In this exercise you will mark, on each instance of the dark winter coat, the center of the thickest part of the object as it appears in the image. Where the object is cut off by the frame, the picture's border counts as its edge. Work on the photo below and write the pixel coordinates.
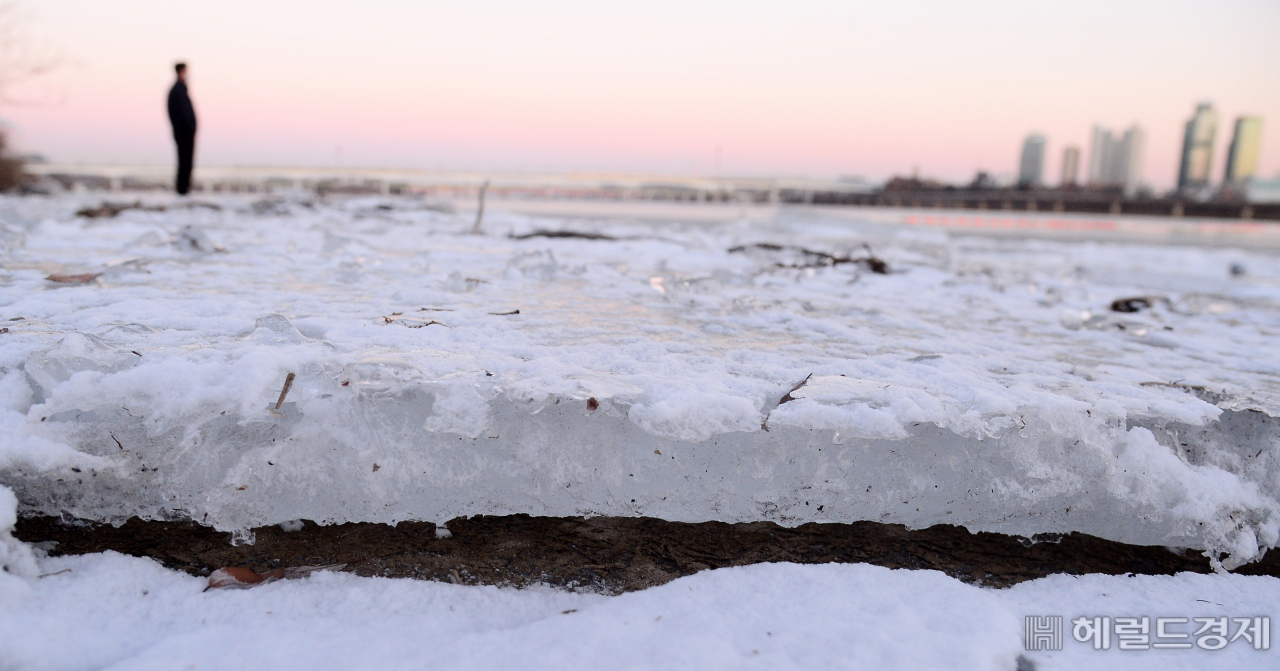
(181, 114)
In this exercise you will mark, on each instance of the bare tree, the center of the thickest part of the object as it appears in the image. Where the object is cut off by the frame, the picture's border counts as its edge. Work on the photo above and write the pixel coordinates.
(22, 59)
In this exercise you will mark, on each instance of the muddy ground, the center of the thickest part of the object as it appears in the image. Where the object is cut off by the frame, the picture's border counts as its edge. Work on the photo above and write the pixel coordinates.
(611, 554)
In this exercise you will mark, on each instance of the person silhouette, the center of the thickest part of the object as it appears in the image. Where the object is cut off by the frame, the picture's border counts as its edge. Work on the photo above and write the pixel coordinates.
(183, 118)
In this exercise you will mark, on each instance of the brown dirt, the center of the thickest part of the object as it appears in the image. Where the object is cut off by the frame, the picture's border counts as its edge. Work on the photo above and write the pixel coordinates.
(612, 554)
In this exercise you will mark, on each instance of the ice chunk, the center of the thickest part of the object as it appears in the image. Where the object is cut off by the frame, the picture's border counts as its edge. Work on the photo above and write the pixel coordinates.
(75, 353)
(537, 264)
(695, 416)
(946, 392)
(457, 283)
(459, 407)
(864, 408)
(193, 239)
(275, 329)
(21, 445)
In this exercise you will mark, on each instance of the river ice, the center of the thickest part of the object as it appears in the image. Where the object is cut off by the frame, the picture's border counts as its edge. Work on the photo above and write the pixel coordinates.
(983, 382)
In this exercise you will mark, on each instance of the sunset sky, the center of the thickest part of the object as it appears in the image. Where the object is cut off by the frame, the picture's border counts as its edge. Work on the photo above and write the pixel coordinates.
(740, 87)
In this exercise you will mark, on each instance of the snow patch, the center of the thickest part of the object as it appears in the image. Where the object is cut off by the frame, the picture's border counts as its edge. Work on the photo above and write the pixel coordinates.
(108, 610)
(17, 561)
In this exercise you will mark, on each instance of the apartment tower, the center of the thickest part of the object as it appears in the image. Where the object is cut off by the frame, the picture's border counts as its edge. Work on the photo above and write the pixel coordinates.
(1070, 166)
(1242, 157)
(1197, 149)
(1031, 165)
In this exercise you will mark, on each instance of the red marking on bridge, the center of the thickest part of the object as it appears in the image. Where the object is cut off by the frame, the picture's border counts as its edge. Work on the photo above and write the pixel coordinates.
(1032, 223)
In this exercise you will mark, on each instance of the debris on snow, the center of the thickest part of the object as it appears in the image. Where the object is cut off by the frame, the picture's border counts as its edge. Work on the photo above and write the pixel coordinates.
(1136, 303)
(83, 278)
(109, 210)
(807, 258)
(235, 577)
(541, 233)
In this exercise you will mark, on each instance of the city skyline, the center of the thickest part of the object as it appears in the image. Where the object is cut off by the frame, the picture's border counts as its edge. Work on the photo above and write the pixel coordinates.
(822, 89)
(1118, 161)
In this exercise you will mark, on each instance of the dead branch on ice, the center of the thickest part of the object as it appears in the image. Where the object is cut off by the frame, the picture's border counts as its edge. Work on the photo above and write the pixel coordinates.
(288, 382)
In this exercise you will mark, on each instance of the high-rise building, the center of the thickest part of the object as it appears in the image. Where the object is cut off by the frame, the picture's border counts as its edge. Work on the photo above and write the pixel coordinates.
(1070, 166)
(1031, 167)
(1101, 156)
(1116, 162)
(1197, 149)
(1128, 160)
(1242, 157)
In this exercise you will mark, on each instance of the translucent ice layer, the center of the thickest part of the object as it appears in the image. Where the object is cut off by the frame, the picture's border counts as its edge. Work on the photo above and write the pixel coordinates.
(685, 371)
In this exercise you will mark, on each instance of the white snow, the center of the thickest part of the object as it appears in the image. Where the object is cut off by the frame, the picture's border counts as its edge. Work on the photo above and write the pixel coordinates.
(17, 561)
(984, 382)
(112, 611)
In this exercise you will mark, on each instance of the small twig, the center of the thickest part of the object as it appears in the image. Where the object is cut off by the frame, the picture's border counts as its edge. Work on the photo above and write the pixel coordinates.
(504, 314)
(542, 233)
(787, 398)
(46, 575)
(475, 230)
(813, 259)
(73, 279)
(288, 382)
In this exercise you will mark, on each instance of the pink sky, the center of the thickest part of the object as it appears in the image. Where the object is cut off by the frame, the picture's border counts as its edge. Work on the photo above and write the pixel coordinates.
(783, 88)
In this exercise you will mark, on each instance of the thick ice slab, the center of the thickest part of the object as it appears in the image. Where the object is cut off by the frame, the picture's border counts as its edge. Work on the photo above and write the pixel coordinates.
(648, 371)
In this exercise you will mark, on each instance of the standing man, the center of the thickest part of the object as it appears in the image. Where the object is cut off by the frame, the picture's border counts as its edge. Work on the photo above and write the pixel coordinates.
(183, 117)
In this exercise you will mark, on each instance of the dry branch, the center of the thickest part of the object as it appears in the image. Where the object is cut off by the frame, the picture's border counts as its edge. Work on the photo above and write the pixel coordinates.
(812, 259)
(288, 384)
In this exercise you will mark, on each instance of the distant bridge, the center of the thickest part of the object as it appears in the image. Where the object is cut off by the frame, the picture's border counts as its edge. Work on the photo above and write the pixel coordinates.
(450, 183)
(596, 186)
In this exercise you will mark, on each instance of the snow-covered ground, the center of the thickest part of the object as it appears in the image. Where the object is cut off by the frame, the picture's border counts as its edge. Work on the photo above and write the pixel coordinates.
(117, 612)
(981, 382)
